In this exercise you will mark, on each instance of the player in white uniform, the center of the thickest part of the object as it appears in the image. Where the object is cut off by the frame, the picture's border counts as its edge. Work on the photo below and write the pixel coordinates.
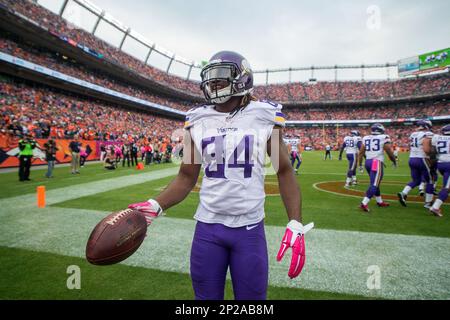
(374, 146)
(419, 163)
(351, 145)
(440, 145)
(229, 138)
(293, 146)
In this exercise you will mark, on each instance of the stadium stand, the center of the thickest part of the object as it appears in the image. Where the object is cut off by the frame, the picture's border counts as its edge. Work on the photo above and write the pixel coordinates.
(45, 110)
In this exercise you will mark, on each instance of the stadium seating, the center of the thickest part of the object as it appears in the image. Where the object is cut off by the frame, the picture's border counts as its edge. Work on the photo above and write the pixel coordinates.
(285, 93)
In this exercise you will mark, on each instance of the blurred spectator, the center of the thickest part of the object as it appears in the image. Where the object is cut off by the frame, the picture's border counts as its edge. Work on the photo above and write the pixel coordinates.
(50, 149)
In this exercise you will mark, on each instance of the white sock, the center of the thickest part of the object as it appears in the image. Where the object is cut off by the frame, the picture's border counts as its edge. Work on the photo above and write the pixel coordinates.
(365, 201)
(428, 197)
(348, 180)
(406, 190)
(354, 178)
(422, 186)
(379, 200)
(437, 204)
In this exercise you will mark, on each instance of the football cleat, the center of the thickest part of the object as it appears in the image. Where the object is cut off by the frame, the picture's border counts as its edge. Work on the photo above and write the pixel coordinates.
(364, 207)
(354, 183)
(421, 193)
(428, 205)
(383, 204)
(402, 198)
(436, 212)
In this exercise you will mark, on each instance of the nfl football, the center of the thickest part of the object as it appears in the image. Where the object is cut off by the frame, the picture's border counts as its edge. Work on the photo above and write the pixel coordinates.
(116, 237)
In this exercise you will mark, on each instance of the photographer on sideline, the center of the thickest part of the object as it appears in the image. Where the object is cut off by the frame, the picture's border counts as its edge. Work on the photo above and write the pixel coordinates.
(26, 146)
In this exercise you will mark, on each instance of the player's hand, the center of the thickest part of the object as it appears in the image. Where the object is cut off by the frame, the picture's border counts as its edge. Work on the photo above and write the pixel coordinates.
(361, 169)
(150, 209)
(294, 238)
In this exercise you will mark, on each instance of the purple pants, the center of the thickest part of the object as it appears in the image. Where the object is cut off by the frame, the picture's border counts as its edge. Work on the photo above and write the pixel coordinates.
(351, 165)
(375, 178)
(421, 172)
(216, 247)
(444, 169)
(294, 156)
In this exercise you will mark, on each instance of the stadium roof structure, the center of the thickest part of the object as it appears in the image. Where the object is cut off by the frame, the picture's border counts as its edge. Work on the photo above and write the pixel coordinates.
(161, 58)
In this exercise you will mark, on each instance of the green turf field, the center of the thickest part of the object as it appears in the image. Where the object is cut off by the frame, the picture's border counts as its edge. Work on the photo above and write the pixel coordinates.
(410, 247)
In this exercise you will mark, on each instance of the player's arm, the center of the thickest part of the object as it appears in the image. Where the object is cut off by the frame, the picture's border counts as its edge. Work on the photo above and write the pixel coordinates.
(179, 188)
(290, 193)
(390, 153)
(342, 150)
(362, 152)
(289, 188)
(427, 147)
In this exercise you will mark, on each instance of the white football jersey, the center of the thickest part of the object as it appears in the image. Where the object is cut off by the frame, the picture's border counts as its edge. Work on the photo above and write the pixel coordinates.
(442, 145)
(233, 151)
(294, 144)
(351, 144)
(374, 145)
(416, 144)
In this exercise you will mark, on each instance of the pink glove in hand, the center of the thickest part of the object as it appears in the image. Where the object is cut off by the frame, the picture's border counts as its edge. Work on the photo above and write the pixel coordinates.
(150, 209)
(294, 238)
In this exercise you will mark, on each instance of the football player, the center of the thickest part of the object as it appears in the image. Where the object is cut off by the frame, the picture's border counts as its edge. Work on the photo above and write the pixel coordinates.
(295, 152)
(229, 137)
(419, 164)
(327, 152)
(352, 144)
(373, 147)
(440, 145)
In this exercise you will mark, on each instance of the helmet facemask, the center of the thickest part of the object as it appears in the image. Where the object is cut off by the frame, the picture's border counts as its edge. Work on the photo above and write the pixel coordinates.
(220, 82)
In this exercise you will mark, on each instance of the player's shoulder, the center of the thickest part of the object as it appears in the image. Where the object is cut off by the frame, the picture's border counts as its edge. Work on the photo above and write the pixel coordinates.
(267, 111)
(197, 113)
(265, 104)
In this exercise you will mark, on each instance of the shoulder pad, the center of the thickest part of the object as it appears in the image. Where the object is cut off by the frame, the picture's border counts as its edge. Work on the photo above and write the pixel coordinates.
(193, 115)
(271, 112)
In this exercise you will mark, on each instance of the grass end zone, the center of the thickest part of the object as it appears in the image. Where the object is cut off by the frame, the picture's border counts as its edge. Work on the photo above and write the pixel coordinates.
(40, 275)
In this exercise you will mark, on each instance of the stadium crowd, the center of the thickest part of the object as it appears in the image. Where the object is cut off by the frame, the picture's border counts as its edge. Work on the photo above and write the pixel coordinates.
(46, 112)
(16, 47)
(290, 92)
(59, 27)
(318, 137)
(354, 90)
(395, 111)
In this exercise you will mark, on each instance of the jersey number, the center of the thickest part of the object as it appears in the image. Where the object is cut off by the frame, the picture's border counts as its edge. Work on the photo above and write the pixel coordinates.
(245, 145)
(442, 147)
(414, 143)
(372, 147)
(349, 143)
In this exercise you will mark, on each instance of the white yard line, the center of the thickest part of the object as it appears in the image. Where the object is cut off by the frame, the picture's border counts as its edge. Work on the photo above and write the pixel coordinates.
(361, 196)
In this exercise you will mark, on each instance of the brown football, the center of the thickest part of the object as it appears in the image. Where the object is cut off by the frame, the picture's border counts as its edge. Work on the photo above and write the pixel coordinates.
(116, 237)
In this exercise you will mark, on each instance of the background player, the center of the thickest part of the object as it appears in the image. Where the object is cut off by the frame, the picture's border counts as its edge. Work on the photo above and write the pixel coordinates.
(327, 152)
(374, 146)
(351, 145)
(230, 217)
(440, 145)
(294, 149)
(419, 164)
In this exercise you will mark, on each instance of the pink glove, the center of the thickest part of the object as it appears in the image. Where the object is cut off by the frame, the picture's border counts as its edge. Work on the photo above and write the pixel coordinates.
(294, 238)
(150, 209)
